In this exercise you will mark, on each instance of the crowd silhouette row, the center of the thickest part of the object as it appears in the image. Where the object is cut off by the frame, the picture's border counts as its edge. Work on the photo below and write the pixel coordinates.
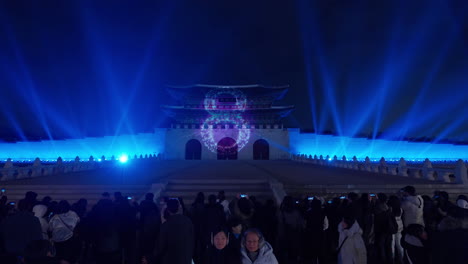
(367, 228)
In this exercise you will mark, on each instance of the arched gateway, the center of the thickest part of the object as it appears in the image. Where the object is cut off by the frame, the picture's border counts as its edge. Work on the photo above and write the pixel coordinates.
(193, 150)
(239, 113)
(227, 149)
(261, 150)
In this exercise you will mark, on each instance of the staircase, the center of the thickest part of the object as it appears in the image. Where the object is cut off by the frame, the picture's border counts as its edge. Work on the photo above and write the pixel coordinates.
(187, 189)
(331, 191)
(73, 193)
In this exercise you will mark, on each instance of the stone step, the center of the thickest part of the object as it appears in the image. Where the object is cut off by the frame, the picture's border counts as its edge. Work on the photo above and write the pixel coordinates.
(73, 193)
(188, 188)
(217, 181)
(70, 187)
(216, 187)
(337, 190)
(375, 187)
(193, 193)
(189, 198)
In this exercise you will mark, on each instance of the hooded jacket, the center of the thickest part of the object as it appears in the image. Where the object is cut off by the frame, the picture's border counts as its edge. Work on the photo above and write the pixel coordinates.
(265, 253)
(413, 210)
(62, 226)
(39, 212)
(353, 250)
(176, 241)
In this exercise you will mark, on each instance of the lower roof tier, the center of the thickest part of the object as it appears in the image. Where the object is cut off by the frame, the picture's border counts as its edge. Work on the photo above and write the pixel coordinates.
(221, 116)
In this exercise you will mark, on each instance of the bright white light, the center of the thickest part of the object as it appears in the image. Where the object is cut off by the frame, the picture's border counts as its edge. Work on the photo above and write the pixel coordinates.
(123, 158)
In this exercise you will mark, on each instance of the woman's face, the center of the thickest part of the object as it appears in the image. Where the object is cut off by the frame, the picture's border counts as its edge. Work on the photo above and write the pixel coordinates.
(251, 242)
(220, 240)
(344, 224)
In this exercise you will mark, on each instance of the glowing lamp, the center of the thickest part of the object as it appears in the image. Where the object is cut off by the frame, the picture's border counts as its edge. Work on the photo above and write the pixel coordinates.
(123, 158)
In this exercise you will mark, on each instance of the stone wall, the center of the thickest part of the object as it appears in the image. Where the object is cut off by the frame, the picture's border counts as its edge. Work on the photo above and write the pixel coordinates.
(277, 138)
(138, 144)
(314, 144)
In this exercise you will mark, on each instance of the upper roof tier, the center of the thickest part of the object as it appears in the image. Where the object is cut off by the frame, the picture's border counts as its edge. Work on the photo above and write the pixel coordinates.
(191, 93)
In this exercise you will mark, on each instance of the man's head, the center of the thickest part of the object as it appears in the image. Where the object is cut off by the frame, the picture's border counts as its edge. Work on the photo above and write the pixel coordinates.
(173, 206)
(24, 206)
(382, 197)
(408, 191)
(253, 240)
(63, 207)
(221, 195)
(31, 196)
(353, 196)
(235, 225)
(212, 199)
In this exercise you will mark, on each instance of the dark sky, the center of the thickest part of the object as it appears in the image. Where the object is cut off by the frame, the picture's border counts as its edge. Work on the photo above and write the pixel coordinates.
(388, 68)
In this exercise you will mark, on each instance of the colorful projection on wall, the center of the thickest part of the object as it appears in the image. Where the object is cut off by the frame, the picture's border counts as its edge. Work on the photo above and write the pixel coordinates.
(225, 106)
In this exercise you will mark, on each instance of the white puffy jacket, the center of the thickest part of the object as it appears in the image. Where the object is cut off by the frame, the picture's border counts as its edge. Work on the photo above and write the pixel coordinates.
(413, 210)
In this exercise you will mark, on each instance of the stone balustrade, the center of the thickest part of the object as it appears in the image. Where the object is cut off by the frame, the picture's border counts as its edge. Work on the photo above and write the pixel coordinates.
(11, 171)
(455, 174)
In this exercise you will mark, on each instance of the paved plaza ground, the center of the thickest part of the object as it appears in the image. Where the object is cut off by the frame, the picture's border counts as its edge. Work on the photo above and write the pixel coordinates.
(287, 172)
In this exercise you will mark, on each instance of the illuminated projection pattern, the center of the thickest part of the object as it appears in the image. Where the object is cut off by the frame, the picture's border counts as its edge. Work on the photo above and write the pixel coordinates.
(225, 107)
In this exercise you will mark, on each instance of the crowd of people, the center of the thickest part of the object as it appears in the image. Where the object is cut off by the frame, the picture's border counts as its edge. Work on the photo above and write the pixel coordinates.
(355, 229)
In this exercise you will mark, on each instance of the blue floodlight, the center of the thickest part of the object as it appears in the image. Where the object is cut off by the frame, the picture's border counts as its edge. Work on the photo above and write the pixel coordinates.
(123, 158)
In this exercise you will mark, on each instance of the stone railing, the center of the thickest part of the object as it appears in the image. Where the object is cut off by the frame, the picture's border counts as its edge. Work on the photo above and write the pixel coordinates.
(456, 174)
(11, 171)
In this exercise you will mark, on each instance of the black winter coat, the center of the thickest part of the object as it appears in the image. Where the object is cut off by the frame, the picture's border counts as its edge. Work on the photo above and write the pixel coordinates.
(176, 241)
(225, 256)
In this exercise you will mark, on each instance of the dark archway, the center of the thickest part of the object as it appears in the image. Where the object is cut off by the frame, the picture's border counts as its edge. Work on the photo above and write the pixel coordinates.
(261, 150)
(227, 149)
(193, 150)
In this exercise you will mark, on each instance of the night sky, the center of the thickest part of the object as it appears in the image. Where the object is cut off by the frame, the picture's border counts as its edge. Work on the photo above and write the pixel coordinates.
(387, 68)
